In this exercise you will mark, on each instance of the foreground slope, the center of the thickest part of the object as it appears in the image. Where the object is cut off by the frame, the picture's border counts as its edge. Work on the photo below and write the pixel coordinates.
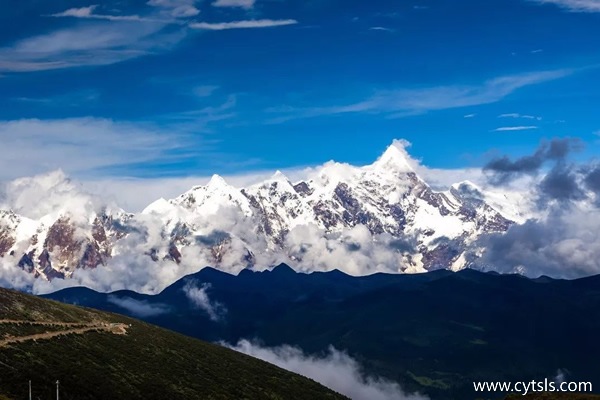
(434, 333)
(97, 355)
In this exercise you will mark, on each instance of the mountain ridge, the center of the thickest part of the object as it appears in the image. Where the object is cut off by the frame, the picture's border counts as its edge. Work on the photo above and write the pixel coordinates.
(433, 333)
(377, 218)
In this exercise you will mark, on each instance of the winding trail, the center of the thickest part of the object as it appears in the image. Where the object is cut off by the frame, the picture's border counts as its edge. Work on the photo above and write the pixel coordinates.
(79, 328)
(43, 323)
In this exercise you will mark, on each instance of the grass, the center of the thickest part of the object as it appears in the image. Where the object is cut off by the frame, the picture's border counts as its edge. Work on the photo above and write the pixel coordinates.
(146, 363)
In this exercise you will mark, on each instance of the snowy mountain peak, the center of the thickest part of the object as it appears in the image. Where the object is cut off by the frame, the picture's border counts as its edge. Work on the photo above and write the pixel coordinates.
(217, 181)
(279, 180)
(279, 176)
(379, 217)
(160, 206)
(395, 158)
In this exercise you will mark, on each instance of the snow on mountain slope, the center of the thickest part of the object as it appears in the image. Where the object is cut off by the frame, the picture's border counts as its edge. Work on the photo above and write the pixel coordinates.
(69, 229)
(380, 217)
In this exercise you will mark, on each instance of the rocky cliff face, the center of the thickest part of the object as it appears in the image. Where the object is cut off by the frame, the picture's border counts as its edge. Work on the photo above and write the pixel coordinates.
(386, 204)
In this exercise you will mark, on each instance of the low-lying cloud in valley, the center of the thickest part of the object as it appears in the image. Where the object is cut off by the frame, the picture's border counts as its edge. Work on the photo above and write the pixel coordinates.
(336, 370)
(197, 294)
(139, 308)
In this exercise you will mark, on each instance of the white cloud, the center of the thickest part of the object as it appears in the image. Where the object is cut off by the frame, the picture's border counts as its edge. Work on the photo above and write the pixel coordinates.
(337, 371)
(176, 8)
(78, 12)
(99, 43)
(116, 38)
(59, 193)
(198, 296)
(139, 308)
(14, 277)
(69, 99)
(134, 194)
(565, 244)
(88, 13)
(522, 116)
(353, 250)
(515, 128)
(248, 24)
(83, 145)
(247, 4)
(402, 102)
(574, 5)
(99, 147)
(381, 28)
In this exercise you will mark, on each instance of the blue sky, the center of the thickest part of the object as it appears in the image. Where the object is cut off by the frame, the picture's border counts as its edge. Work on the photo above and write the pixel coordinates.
(168, 88)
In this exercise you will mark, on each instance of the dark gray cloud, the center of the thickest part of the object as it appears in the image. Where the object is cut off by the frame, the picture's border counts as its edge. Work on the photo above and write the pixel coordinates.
(559, 149)
(561, 184)
(592, 179)
(353, 246)
(214, 238)
(565, 242)
(503, 169)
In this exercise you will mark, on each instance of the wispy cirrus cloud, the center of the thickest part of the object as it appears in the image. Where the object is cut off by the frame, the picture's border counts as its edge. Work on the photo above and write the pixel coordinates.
(247, 4)
(71, 99)
(403, 102)
(108, 39)
(88, 13)
(515, 128)
(574, 5)
(207, 114)
(93, 145)
(92, 44)
(176, 8)
(517, 115)
(246, 24)
(381, 29)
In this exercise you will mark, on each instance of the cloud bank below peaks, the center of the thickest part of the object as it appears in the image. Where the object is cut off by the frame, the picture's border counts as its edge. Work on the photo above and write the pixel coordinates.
(336, 370)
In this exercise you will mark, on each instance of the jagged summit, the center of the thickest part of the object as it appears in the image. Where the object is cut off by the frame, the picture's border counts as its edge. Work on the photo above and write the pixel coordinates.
(217, 181)
(337, 218)
(395, 158)
(279, 176)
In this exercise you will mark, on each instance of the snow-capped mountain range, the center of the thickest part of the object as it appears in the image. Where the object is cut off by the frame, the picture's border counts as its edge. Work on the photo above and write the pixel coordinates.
(379, 217)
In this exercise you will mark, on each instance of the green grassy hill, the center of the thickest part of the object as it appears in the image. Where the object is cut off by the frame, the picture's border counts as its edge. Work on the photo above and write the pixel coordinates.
(97, 355)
